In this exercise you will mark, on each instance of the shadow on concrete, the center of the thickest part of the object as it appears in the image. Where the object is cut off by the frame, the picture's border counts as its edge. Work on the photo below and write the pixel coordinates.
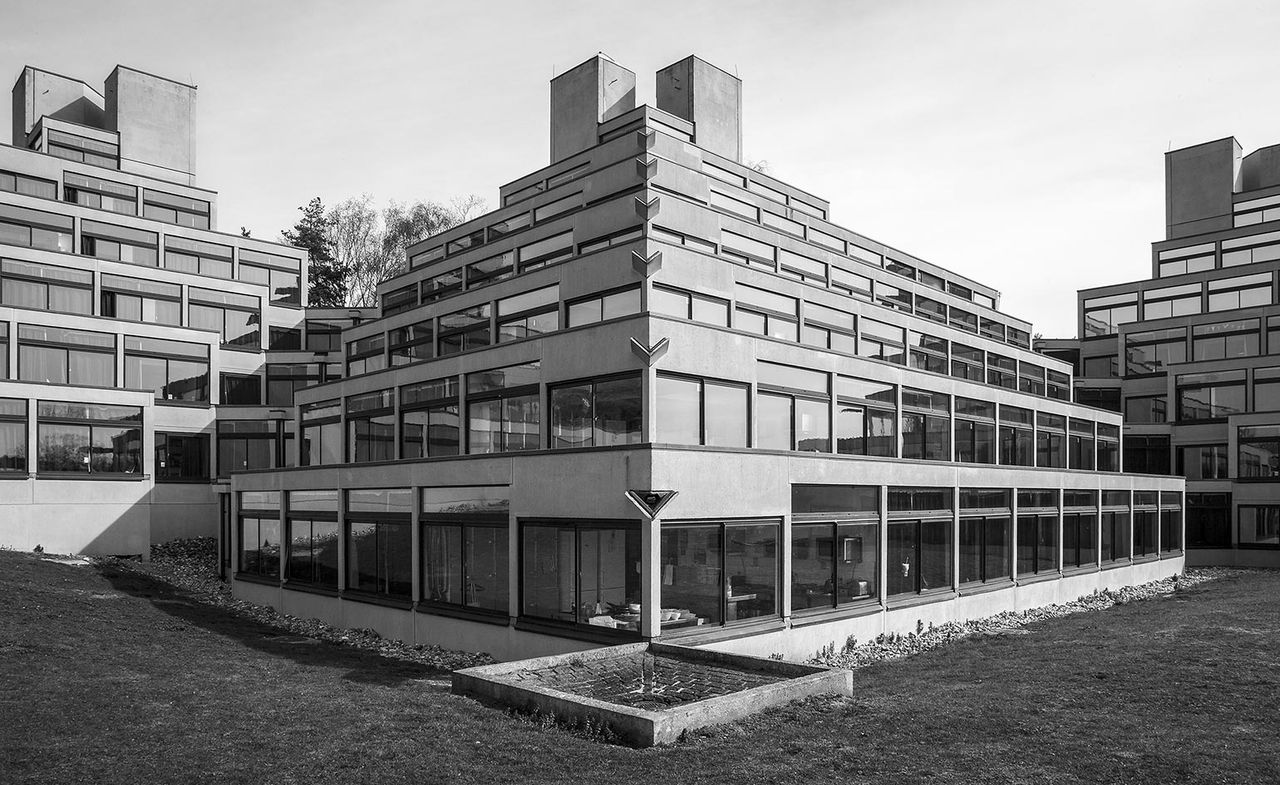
(362, 666)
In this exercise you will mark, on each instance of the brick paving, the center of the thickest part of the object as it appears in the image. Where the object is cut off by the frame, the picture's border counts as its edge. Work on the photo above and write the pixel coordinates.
(645, 681)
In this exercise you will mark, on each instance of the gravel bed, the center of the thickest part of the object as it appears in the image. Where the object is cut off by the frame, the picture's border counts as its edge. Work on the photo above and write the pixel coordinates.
(191, 566)
(896, 646)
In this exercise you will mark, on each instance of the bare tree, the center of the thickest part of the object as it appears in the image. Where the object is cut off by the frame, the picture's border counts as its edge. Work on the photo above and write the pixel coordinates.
(371, 244)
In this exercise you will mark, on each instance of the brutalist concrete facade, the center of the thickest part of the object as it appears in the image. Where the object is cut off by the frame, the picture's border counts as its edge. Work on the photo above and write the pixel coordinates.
(658, 395)
(1191, 354)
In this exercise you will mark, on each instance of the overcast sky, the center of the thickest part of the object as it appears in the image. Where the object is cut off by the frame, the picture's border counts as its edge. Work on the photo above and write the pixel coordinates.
(1019, 143)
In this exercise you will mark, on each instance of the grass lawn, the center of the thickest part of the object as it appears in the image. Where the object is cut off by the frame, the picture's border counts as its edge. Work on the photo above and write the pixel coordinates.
(108, 676)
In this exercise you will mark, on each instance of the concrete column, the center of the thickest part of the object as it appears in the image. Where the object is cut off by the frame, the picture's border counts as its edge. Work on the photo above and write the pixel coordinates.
(955, 537)
(1133, 522)
(1013, 533)
(650, 577)
(1060, 562)
(882, 574)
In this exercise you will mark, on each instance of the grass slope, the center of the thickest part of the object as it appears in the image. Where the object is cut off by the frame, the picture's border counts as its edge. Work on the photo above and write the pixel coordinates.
(109, 676)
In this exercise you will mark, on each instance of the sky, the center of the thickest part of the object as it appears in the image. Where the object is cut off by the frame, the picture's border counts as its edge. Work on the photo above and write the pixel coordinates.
(1017, 143)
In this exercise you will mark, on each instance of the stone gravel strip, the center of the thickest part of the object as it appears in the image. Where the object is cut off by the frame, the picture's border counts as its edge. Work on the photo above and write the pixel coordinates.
(895, 646)
(191, 565)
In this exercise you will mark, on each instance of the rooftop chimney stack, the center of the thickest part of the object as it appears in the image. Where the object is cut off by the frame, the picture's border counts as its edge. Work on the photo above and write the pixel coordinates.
(708, 97)
(582, 98)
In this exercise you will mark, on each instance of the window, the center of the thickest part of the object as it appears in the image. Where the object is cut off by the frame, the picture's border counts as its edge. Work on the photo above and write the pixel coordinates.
(1017, 440)
(411, 343)
(1172, 301)
(1147, 454)
(1099, 398)
(725, 202)
(13, 435)
(967, 363)
(1051, 440)
(720, 573)
(986, 536)
(794, 265)
(1104, 367)
(766, 313)
(464, 330)
(503, 228)
(1115, 527)
(1258, 247)
(503, 409)
(118, 243)
(1226, 339)
(1146, 408)
(403, 299)
(79, 148)
(793, 409)
(866, 417)
(541, 253)
(745, 250)
(613, 305)
(701, 411)
(4, 350)
(1079, 535)
(311, 536)
(321, 433)
(35, 229)
(1273, 334)
(435, 254)
(491, 270)
(90, 438)
(893, 297)
(1259, 526)
(989, 328)
(259, 534)
(236, 317)
(688, 305)
(45, 287)
(325, 335)
(286, 379)
(678, 238)
(153, 302)
(1030, 378)
(1259, 452)
(1145, 520)
(1245, 291)
(926, 425)
(465, 548)
(1203, 462)
(379, 538)
(599, 413)
(975, 431)
(196, 256)
(581, 573)
(1080, 444)
(182, 457)
(28, 186)
(1058, 386)
(1104, 315)
(1170, 521)
(1108, 447)
(881, 341)
(931, 309)
(1179, 261)
(1208, 520)
(962, 320)
(240, 389)
(919, 540)
(851, 283)
(927, 352)
(280, 274)
(429, 423)
(1016, 337)
(828, 328)
(529, 314)
(102, 194)
(57, 356)
(1207, 396)
(441, 286)
(1153, 351)
(1002, 371)
(174, 370)
(366, 355)
(461, 243)
(1037, 532)
(244, 445)
(284, 339)
(371, 427)
(173, 209)
(834, 545)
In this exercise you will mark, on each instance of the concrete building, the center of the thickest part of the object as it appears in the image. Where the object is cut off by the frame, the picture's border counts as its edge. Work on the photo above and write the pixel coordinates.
(657, 394)
(1191, 354)
(144, 355)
